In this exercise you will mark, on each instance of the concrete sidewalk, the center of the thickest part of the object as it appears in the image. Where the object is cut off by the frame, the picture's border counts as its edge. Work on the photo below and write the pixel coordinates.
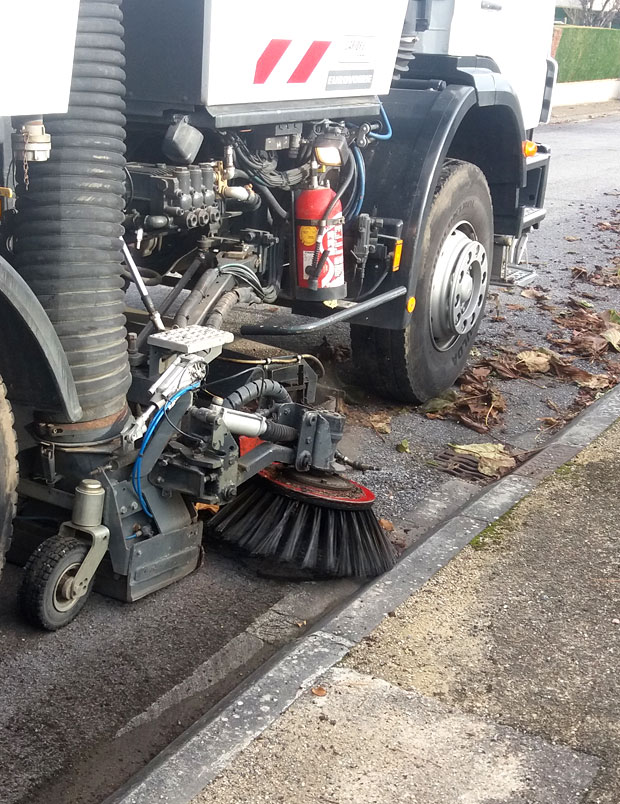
(584, 111)
(496, 684)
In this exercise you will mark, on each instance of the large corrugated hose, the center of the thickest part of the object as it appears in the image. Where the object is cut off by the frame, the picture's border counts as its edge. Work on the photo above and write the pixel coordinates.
(70, 218)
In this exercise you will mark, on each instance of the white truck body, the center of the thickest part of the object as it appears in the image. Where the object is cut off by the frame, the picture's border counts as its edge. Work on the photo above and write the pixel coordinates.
(516, 34)
(355, 44)
(275, 50)
(285, 51)
(38, 40)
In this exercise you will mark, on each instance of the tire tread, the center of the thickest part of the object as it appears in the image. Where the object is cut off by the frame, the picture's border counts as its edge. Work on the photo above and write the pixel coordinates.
(383, 355)
(37, 572)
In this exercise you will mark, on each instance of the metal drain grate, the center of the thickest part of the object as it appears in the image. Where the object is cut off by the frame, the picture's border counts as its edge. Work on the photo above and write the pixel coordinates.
(463, 466)
(466, 466)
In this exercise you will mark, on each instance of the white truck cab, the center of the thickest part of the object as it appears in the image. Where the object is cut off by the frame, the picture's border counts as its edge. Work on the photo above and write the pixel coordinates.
(516, 34)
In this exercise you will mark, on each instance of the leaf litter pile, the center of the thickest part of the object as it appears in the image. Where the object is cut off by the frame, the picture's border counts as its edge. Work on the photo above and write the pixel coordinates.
(478, 403)
(583, 334)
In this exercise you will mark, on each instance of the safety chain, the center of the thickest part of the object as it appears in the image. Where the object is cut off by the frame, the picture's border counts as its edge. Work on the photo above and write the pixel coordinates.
(26, 137)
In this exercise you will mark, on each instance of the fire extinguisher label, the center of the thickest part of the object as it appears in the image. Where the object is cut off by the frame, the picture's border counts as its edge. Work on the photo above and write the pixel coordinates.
(332, 273)
(307, 235)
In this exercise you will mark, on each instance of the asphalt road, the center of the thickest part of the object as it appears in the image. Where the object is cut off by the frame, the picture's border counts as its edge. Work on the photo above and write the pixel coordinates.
(65, 698)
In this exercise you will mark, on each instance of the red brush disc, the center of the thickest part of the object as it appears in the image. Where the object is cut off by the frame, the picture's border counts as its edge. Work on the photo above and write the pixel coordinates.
(329, 490)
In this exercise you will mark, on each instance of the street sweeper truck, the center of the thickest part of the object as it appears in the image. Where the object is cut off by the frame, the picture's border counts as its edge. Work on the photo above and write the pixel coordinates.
(352, 161)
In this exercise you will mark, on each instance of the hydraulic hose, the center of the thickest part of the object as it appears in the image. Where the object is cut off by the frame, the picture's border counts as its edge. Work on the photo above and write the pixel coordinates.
(221, 309)
(266, 193)
(70, 222)
(257, 389)
(277, 432)
(189, 312)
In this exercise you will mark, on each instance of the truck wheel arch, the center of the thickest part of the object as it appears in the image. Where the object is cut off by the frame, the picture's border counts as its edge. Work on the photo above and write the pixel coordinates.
(32, 361)
(430, 126)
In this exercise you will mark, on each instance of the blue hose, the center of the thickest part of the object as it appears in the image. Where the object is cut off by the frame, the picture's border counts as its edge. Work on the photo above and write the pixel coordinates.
(388, 128)
(361, 172)
(137, 467)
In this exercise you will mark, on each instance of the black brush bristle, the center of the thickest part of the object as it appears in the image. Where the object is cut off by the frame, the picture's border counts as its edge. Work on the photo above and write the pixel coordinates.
(330, 540)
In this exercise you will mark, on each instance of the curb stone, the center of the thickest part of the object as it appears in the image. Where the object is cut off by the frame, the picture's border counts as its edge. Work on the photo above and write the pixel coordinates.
(200, 754)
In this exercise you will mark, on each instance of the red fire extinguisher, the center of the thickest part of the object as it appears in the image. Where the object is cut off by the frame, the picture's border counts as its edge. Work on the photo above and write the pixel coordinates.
(320, 250)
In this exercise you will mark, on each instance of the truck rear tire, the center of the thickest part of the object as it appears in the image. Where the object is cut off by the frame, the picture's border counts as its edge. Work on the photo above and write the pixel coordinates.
(424, 359)
(8, 473)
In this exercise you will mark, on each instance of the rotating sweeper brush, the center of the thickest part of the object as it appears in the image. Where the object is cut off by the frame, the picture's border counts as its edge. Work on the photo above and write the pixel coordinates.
(314, 521)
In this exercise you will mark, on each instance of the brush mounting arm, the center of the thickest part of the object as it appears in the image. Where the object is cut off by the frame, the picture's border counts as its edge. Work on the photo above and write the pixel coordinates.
(240, 422)
(205, 463)
(316, 432)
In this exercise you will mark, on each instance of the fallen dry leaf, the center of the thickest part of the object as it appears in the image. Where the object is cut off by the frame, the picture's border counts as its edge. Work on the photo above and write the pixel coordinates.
(532, 293)
(477, 406)
(612, 336)
(579, 272)
(386, 525)
(550, 422)
(590, 345)
(609, 226)
(572, 238)
(320, 692)
(535, 360)
(563, 368)
(597, 382)
(380, 422)
(439, 404)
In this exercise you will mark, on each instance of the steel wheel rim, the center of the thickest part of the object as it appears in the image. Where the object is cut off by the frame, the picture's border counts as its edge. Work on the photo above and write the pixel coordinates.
(63, 587)
(459, 286)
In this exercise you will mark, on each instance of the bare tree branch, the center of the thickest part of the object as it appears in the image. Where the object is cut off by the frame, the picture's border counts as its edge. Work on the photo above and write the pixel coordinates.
(587, 15)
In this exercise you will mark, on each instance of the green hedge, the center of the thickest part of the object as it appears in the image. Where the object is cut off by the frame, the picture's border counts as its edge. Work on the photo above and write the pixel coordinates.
(588, 54)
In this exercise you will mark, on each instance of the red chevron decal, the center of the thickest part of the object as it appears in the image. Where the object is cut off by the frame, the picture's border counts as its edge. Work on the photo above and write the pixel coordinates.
(269, 58)
(308, 64)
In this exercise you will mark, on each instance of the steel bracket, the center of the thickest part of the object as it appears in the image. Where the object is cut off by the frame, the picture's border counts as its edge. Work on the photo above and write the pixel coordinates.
(100, 536)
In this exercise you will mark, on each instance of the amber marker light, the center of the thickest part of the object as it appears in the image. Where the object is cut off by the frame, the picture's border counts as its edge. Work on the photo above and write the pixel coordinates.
(529, 148)
(411, 304)
(398, 253)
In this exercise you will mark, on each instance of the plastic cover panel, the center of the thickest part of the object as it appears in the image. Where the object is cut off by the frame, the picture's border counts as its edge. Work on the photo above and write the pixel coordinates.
(278, 50)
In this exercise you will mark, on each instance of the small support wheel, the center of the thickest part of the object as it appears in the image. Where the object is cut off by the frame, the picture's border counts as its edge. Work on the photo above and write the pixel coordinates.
(45, 596)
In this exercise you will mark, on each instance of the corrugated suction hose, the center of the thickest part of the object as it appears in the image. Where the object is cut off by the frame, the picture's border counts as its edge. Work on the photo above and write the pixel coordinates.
(70, 218)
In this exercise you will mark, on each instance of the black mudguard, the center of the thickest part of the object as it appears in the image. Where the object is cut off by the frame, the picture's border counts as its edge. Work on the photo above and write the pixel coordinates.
(402, 173)
(32, 361)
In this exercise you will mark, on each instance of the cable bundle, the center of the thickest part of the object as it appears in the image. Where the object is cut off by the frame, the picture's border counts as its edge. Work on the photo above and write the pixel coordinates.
(263, 169)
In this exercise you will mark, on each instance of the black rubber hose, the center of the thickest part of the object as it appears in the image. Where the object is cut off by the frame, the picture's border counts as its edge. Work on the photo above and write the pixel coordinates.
(265, 192)
(70, 218)
(257, 389)
(279, 432)
(186, 314)
(221, 309)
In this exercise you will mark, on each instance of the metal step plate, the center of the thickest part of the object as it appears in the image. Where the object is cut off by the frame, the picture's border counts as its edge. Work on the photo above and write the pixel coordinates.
(188, 340)
(520, 275)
